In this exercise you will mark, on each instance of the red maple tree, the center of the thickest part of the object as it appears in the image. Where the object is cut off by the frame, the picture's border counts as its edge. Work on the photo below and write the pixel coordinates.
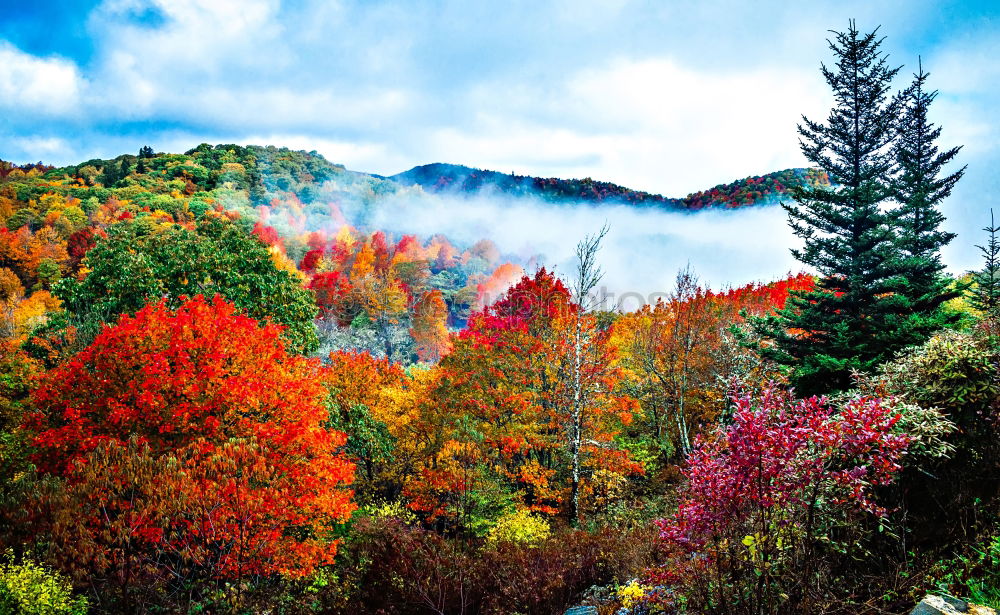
(192, 433)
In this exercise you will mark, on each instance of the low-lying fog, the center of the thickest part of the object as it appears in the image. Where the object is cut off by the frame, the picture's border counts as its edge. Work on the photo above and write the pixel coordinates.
(641, 254)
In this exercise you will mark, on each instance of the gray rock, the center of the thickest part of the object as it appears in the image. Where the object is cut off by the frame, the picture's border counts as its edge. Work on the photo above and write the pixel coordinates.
(941, 605)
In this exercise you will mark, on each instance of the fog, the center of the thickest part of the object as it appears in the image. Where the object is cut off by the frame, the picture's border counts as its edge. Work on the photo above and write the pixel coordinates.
(640, 255)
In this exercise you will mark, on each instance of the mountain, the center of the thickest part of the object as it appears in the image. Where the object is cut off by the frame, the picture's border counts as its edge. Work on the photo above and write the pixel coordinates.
(459, 179)
(265, 174)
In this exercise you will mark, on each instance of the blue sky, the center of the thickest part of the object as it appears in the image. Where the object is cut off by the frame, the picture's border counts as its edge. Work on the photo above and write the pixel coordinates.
(669, 97)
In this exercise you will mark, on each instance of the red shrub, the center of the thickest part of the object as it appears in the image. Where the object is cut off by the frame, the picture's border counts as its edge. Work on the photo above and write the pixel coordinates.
(765, 495)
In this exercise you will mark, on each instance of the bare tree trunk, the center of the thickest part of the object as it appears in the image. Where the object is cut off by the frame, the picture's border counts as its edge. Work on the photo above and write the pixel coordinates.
(588, 276)
(577, 416)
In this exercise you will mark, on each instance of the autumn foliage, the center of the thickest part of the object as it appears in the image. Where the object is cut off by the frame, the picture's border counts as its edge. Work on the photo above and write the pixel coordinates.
(358, 422)
(429, 331)
(680, 359)
(502, 397)
(765, 496)
(195, 433)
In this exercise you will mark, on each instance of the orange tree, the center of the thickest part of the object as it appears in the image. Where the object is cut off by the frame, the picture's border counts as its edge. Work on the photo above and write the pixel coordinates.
(429, 326)
(682, 359)
(188, 443)
(499, 399)
(667, 351)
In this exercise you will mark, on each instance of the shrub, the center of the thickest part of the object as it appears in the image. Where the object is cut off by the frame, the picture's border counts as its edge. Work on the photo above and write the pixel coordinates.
(519, 527)
(27, 588)
(973, 574)
(955, 371)
(387, 567)
(389, 510)
(984, 585)
(771, 501)
(633, 594)
(947, 391)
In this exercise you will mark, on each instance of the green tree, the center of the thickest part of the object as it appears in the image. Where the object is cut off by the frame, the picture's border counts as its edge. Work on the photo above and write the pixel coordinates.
(141, 262)
(111, 174)
(920, 189)
(850, 320)
(986, 293)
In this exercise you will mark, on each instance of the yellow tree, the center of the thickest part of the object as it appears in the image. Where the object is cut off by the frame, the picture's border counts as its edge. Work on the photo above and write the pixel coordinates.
(666, 350)
(430, 330)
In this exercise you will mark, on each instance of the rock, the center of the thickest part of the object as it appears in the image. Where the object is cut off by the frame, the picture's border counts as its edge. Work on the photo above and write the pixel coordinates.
(581, 610)
(940, 605)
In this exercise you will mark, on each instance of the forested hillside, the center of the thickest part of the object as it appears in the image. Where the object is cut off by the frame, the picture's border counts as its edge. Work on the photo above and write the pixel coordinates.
(314, 216)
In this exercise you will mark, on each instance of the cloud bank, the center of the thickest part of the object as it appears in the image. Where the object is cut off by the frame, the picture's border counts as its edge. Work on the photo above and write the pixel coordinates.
(640, 255)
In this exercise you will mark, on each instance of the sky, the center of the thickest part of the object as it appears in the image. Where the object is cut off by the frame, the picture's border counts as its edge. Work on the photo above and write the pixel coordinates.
(664, 96)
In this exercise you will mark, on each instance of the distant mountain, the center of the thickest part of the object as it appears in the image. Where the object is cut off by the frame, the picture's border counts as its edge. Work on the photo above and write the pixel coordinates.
(266, 173)
(459, 179)
(453, 178)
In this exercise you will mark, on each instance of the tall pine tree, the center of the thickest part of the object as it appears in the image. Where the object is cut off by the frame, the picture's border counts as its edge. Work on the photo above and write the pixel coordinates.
(850, 320)
(920, 188)
(986, 294)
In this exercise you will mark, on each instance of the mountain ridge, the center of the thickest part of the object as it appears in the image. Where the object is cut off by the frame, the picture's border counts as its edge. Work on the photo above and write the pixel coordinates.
(439, 177)
(312, 169)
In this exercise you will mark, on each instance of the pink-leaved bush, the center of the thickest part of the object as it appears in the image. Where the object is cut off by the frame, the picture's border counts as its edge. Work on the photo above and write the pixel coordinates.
(768, 498)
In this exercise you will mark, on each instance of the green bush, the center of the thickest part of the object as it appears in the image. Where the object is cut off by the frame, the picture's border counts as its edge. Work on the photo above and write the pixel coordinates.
(142, 261)
(27, 588)
(975, 575)
(954, 371)
(984, 588)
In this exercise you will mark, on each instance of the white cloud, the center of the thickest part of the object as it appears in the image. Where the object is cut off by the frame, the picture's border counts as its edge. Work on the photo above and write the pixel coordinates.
(29, 83)
(669, 99)
(149, 72)
(645, 120)
(228, 66)
(664, 97)
(650, 124)
(36, 148)
(642, 253)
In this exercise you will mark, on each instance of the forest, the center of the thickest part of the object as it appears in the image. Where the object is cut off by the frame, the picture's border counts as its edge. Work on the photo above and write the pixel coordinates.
(222, 390)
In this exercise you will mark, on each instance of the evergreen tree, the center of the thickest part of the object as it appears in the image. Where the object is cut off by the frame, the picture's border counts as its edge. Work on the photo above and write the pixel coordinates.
(111, 174)
(919, 190)
(986, 296)
(850, 320)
